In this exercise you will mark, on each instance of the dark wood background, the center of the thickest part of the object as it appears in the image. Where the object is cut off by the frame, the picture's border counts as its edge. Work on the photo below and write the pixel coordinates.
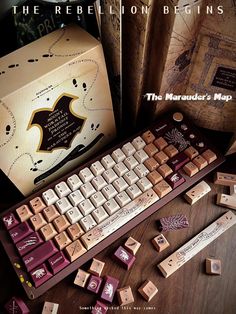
(189, 290)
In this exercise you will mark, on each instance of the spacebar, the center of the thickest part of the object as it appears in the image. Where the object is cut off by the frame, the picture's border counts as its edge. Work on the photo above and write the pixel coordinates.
(119, 218)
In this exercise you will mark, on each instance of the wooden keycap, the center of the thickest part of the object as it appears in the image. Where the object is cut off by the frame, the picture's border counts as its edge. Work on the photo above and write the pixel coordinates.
(37, 205)
(228, 201)
(148, 137)
(94, 284)
(160, 143)
(225, 178)
(16, 306)
(160, 243)
(154, 177)
(200, 162)
(48, 232)
(161, 158)
(125, 296)
(132, 245)
(96, 267)
(99, 308)
(61, 223)
(162, 188)
(62, 240)
(75, 231)
(109, 288)
(190, 169)
(191, 152)
(24, 213)
(213, 266)
(209, 155)
(75, 250)
(81, 278)
(150, 149)
(171, 151)
(148, 290)
(124, 258)
(164, 170)
(50, 213)
(151, 164)
(197, 192)
(38, 221)
(174, 222)
(50, 308)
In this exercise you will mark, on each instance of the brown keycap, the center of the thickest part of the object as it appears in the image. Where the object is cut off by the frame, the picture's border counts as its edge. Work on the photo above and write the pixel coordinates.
(164, 170)
(162, 188)
(48, 232)
(148, 137)
(61, 223)
(150, 149)
(37, 205)
(154, 177)
(171, 151)
(160, 143)
(75, 250)
(24, 213)
(190, 169)
(81, 278)
(62, 240)
(209, 155)
(96, 267)
(213, 266)
(151, 163)
(148, 290)
(132, 245)
(38, 221)
(75, 231)
(191, 152)
(161, 158)
(50, 213)
(160, 243)
(125, 296)
(200, 162)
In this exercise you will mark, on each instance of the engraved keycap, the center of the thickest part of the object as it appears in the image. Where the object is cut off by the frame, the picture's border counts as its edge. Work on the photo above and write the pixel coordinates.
(40, 274)
(109, 288)
(62, 189)
(200, 162)
(39, 255)
(29, 243)
(162, 188)
(138, 143)
(24, 213)
(124, 258)
(10, 221)
(94, 284)
(148, 137)
(178, 161)
(20, 231)
(57, 262)
(190, 169)
(81, 278)
(74, 182)
(209, 155)
(175, 179)
(50, 197)
(75, 250)
(50, 213)
(38, 221)
(48, 232)
(62, 240)
(37, 205)
(125, 296)
(75, 231)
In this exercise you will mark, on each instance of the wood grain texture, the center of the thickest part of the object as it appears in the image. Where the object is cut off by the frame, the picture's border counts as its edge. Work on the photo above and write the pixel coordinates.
(189, 290)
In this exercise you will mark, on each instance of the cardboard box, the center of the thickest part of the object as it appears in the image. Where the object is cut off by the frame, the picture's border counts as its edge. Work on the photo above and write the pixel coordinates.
(55, 107)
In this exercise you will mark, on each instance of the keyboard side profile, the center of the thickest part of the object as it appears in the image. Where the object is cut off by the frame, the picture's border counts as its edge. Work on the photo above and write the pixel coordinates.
(53, 232)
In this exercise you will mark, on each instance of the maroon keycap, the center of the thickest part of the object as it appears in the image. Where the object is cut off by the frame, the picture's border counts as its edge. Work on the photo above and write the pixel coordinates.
(109, 288)
(94, 283)
(20, 232)
(175, 179)
(10, 221)
(57, 262)
(99, 308)
(162, 127)
(40, 274)
(175, 222)
(16, 306)
(39, 255)
(123, 257)
(178, 161)
(29, 243)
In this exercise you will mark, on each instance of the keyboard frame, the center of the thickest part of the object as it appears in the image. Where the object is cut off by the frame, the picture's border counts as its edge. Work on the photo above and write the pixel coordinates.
(14, 257)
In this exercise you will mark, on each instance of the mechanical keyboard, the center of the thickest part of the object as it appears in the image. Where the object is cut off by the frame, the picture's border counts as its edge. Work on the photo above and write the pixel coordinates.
(53, 232)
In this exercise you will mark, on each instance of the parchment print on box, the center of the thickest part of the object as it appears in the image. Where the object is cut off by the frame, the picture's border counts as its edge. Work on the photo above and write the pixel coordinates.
(56, 111)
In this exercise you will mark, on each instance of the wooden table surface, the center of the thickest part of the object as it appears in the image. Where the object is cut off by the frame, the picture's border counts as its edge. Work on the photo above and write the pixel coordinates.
(188, 291)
